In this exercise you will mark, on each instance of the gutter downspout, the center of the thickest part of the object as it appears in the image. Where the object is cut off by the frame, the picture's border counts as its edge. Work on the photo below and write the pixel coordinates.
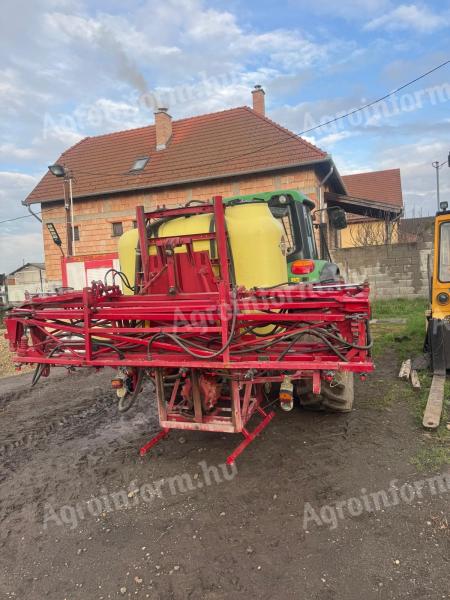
(32, 213)
(323, 250)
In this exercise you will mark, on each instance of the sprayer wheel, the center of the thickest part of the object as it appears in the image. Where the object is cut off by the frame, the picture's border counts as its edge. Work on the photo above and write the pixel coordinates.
(337, 397)
(127, 401)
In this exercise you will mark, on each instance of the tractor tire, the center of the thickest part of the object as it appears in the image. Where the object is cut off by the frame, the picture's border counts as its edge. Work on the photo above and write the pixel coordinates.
(335, 397)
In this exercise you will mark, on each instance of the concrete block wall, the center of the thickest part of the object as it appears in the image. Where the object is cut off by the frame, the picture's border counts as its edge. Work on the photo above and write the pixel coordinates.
(393, 271)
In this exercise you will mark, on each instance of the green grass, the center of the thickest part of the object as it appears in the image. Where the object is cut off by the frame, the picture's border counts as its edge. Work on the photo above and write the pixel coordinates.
(400, 307)
(406, 340)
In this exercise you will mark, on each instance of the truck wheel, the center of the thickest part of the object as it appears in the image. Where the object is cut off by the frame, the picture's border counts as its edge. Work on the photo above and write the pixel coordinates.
(335, 397)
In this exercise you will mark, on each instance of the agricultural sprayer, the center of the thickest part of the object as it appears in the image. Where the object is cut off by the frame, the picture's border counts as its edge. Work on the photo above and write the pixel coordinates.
(215, 312)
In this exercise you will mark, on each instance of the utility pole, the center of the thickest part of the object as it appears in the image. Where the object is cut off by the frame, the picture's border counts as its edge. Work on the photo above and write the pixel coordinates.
(61, 171)
(68, 214)
(437, 165)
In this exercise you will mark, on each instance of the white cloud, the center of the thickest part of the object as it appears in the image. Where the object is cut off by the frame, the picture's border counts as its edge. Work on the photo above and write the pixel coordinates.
(19, 248)
(54, 138)
(333, 138)
(348, 9)
(14, 187)
(210, 24)
(408, 16)
(20, 239)
(9, 151)
(418, 176)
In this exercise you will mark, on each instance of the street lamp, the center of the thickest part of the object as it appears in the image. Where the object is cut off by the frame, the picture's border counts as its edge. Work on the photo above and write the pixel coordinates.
(437, 165)
(58, 170)
(55, 236)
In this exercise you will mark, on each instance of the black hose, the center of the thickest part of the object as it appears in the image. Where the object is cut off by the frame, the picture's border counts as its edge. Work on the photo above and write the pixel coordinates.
(320, 336)
(122, 276)
(341, 340)
(182, 345)
(41, 366)
(108, 345)
(196, 202)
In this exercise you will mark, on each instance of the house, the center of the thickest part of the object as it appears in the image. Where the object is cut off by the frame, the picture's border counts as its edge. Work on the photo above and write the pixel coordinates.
(28, 279)
(236, 151)
(3, 296)
(375, 202)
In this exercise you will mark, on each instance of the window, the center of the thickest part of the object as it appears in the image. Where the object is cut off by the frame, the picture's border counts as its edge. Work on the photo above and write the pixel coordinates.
(117, 229)
(76, 233)
(444, 252)
(288, 237)
(310, 239)
(139, 163)
(280, 207)
(134, 224)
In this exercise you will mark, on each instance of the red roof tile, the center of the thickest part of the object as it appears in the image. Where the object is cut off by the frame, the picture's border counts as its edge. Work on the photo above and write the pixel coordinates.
(378, 186)
(235, 141)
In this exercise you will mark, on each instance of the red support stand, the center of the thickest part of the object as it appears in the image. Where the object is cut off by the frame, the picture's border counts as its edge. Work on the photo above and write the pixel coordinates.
(250, 436)
(160, 436)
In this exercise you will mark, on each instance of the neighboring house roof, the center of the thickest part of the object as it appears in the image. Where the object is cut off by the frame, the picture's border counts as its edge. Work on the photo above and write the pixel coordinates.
(216, 145)
(40, 266)
(377, 186)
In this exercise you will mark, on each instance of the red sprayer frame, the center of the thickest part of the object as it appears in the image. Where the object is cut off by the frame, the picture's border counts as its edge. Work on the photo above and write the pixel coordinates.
(203, 340)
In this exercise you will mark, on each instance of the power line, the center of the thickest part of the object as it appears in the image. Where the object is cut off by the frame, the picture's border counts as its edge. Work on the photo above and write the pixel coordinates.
(369, 104)
(17, 218)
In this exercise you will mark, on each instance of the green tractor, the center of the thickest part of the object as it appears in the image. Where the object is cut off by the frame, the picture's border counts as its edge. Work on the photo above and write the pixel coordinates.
(294, 210)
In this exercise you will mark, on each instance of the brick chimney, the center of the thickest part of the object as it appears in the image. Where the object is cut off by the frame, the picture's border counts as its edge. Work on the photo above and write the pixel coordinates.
(163, 126)
(258, 100)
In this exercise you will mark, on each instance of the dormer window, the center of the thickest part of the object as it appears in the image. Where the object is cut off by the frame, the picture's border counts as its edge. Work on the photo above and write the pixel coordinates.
(139, 164)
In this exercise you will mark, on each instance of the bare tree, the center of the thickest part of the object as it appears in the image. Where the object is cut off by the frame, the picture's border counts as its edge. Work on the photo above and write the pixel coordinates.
(373, 232)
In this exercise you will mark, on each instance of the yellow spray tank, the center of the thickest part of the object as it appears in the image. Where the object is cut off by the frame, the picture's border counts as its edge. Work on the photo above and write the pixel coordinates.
(256, 241)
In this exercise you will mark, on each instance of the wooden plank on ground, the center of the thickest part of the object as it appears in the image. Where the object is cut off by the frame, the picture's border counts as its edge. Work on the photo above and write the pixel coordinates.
(405, 369)
(415, 379)
(433, 410)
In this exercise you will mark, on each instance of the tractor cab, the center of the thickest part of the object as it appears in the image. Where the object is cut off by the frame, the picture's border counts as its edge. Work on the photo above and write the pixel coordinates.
(294, 211)
(438, 330)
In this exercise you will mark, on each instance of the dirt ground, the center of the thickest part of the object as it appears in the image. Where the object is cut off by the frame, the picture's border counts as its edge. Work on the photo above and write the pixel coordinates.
(62, 444)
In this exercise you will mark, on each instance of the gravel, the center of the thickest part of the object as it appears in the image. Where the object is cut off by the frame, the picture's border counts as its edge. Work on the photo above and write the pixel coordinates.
(7, 367)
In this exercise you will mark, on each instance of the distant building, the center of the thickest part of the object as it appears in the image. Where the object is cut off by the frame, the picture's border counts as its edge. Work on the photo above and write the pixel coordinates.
(2, 289)
(27, 279)
(374, 203)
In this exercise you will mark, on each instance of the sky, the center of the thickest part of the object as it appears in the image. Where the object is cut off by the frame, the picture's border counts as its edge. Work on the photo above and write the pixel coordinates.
(73, 68)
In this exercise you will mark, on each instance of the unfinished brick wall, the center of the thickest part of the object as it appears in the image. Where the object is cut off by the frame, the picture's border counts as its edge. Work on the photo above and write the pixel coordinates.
(393, 270)
(95, 217)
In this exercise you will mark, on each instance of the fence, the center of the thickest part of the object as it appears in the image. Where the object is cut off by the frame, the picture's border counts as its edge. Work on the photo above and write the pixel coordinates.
(393, 270)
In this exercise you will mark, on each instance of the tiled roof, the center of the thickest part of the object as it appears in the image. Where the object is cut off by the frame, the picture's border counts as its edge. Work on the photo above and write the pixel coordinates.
(378, 186)
(40, 266)
(235, 141)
